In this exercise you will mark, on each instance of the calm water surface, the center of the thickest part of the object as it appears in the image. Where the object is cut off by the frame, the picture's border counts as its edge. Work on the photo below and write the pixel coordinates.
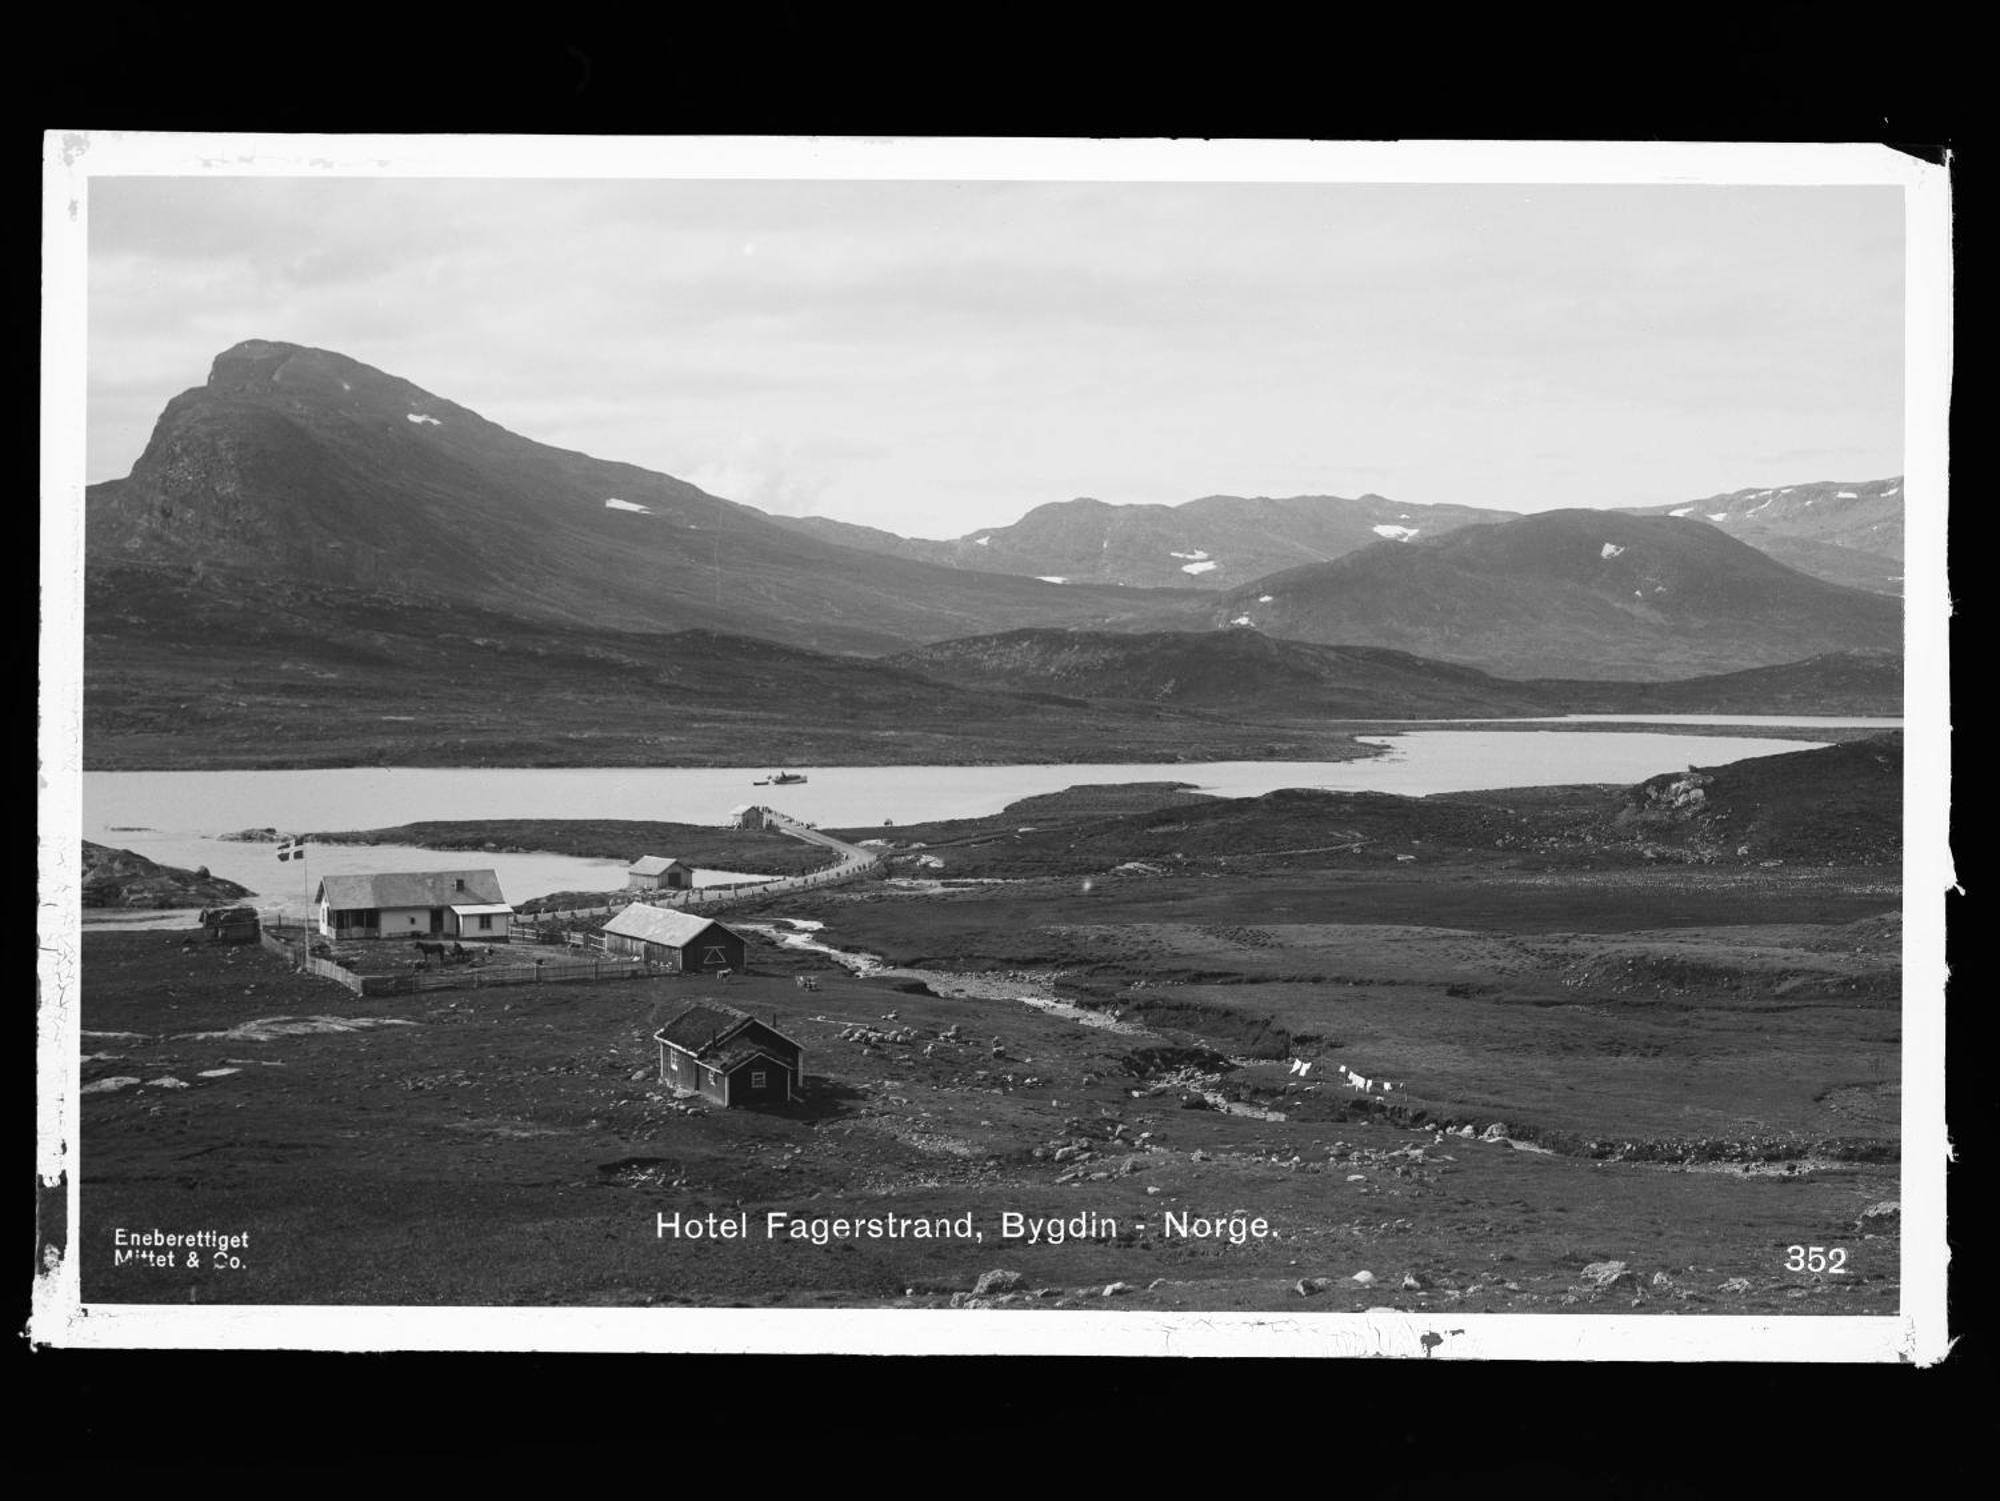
(174, 817)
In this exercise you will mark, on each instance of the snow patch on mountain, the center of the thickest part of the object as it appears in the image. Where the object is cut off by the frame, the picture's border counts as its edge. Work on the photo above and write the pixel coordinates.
(1611, 550)
(1195, 567)
(1718, 515)
(1242, 620)
(1846, 495)
(981, 541)
(1396, 533)
(626, 505)
(1051, 578)
(1195, 556)
(1264, 599)
(424, 421)
(1892, 490)
(1681, 512)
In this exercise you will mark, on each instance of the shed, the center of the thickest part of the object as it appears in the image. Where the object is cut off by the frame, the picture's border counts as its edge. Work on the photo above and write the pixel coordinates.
(746, 816)
(231, 924)
(680, 940)
(413, 904)
(730, 1057)
(659, 873)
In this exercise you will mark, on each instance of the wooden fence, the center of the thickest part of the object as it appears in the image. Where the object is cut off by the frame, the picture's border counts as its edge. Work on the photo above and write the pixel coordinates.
(462, 976)
(700, 899)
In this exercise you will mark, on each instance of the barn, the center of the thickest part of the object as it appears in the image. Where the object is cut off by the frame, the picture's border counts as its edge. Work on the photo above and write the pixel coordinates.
(679, 940)
(659, 873)
(413, 904)
(729, 1057)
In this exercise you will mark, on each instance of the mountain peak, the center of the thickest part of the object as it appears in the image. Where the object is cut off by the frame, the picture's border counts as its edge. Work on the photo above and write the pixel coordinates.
(258, 366)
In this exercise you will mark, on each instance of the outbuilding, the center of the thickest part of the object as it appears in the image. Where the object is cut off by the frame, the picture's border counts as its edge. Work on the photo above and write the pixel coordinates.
(413, 904)
(747, 816)
(659, 873)
(681, 941)
(729, 1057)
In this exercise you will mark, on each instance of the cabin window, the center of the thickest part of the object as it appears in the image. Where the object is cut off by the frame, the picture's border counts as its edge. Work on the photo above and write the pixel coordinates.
(486, 925)
(757, 1078)
(459, 884)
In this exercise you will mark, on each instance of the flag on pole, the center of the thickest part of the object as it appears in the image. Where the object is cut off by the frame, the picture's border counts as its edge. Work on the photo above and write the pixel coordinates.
(292, 848)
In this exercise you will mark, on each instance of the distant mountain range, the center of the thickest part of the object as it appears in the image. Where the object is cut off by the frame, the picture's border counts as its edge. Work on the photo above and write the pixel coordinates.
(1847, 533)
(315, 562)
(1216, 542)
(1588, 594)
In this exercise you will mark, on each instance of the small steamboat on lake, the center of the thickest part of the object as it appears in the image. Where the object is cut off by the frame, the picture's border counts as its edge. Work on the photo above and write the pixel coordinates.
(780, 779)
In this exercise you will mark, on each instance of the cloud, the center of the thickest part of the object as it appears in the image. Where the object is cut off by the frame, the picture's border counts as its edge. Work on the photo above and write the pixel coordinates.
(935, 356)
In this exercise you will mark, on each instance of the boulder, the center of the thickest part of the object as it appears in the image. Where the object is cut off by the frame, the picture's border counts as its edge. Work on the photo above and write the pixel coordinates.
(1605, 1275)
(1307, 1286)
(1365, 1279)
(1884, 1218)
(995, 1281)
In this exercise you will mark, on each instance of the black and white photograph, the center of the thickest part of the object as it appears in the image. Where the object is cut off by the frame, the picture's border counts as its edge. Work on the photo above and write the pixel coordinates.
(993, 746)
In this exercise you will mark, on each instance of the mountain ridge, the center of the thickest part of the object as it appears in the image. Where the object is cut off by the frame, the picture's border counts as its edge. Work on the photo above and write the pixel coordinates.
(306, 462)
(1578, 593)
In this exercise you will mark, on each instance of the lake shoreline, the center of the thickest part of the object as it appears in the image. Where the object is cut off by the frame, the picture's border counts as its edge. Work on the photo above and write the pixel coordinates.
(1331, 741)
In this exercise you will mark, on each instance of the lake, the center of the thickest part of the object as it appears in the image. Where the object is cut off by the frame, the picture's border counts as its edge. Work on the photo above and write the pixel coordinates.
(175, 816)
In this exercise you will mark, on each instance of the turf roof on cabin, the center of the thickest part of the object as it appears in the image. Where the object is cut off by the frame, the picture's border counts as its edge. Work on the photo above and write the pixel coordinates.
(708, 1024)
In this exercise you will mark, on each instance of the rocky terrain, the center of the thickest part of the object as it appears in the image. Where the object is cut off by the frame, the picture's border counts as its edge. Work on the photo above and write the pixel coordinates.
(120, 878)
(1841, 803)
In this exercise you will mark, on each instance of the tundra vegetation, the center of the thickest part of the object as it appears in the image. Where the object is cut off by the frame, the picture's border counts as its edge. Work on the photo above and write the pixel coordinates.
(1640, 1042)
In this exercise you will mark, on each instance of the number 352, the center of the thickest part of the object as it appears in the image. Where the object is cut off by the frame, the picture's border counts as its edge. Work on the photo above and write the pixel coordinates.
(1816, 1259)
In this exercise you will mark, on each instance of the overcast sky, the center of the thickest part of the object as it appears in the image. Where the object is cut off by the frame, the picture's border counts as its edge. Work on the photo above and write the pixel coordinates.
(934, 357)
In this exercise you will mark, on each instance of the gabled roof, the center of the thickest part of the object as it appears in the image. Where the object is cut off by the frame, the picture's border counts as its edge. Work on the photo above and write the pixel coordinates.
(661, 925)
(738, 1051)
(412, 888)
(653, 865)
(709, 1025)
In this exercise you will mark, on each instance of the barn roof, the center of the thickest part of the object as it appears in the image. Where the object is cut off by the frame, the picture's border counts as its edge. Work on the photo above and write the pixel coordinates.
(661, 925)
(411, 888)
(708, 1024)
(653, 865)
